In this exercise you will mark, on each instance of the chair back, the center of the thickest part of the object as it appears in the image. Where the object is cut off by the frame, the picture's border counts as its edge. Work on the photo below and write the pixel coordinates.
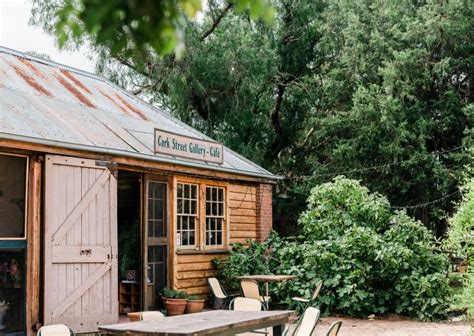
(334, 328)
(316, 291)
(250, 289)
(54, 330)
(246, 304)
(151, 315)
(216, 288)
(308, 322)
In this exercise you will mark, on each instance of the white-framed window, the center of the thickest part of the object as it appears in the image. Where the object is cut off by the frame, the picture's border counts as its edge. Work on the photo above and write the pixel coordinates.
(187, 213)
(215, 216)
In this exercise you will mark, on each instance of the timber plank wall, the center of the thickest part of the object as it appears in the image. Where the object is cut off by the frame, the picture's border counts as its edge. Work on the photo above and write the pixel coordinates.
(192, 270)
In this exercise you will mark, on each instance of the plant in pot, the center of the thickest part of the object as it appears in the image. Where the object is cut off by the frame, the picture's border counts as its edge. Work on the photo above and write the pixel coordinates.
(174, 301)
(194, 304)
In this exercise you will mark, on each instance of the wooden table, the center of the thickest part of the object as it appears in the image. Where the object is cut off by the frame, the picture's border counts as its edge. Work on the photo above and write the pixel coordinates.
(213, 322)
(266, 278)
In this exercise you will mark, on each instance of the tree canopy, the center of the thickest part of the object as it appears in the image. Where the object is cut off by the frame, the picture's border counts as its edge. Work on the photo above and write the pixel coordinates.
(378, 91)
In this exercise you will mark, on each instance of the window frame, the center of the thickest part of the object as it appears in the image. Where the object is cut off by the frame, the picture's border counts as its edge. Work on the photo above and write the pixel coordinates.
(224, 229)
(200, 228)
(197, 226)
(25, 215)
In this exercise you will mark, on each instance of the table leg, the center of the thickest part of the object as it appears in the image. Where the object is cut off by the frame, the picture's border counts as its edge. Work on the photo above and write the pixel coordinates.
(266, 288)
(278, 330)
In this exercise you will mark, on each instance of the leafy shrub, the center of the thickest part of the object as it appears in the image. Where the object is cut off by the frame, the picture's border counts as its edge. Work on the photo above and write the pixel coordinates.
(371, 259)
(461, 241)
(461, 233)
(253, 259)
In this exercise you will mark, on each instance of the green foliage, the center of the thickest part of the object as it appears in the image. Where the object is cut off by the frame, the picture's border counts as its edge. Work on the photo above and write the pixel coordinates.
(461, 241)
(129, 28)
(372, 260)
(461, 233)
(173, 294)
(380, 91)
(337, 206)
(253, 259)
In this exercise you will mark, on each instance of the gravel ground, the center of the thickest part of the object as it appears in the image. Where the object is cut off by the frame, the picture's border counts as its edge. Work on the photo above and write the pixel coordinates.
(394, 327)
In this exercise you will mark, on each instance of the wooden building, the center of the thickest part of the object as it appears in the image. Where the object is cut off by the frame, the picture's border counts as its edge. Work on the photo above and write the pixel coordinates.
(105, 200)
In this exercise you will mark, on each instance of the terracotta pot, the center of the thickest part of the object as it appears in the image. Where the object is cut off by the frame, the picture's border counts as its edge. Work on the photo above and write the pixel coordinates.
(174, 306)
(194, 306)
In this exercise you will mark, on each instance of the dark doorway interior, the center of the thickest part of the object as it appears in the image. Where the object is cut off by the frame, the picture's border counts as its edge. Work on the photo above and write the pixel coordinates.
(129, 241)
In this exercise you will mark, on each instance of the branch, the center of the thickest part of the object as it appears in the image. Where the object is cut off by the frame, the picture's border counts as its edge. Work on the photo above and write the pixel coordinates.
(216, 21)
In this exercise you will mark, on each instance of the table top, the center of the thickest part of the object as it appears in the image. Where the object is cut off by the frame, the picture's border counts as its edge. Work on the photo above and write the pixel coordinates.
(267, 277)
(213, 322)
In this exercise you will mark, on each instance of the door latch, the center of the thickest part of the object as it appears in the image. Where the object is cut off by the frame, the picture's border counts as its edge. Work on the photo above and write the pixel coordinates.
(86, 252)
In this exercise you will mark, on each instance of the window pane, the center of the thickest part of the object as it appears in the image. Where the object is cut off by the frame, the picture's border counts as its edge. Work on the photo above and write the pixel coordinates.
(12, 196)
(221, 194)
(186, 191)
(193, 207)
(180, 190)
(194, 192)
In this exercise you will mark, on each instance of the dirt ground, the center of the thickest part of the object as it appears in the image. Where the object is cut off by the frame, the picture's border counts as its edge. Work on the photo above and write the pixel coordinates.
(394, 327)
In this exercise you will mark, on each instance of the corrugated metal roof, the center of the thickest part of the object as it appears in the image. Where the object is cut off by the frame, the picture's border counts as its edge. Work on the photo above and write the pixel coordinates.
(48, 103)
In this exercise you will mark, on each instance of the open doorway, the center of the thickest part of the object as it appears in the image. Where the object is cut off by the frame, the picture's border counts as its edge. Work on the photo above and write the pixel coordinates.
(129, 241)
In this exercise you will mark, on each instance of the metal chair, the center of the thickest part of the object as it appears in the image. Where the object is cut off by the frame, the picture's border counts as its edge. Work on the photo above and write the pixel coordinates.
(55, 330)
(304, 303)
(221, 299)
(307, 324)
(251, 290)
(334, 328)
(247, 304)
(151, 315)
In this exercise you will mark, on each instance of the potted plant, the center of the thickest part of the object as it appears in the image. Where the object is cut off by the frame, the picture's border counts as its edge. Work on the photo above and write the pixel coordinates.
(194, 304)
(174, 301)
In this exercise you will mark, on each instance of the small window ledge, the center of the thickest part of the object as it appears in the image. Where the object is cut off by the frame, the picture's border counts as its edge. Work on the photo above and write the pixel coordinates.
(217, 251)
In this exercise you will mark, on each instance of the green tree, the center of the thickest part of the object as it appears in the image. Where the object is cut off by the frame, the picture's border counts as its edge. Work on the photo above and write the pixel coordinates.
(380, 91)
(127, 27)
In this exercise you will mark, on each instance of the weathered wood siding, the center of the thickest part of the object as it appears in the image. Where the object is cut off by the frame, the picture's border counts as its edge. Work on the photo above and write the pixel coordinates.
(192, 270)
(243, 213)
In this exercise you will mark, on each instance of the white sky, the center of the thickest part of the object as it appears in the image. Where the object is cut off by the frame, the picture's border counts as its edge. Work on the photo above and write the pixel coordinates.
(15, 33)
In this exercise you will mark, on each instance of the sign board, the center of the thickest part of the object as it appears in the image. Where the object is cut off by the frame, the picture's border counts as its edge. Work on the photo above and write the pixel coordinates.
(170, 143)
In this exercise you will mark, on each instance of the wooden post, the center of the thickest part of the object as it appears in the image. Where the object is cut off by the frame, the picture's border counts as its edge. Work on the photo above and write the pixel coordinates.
(33, 245)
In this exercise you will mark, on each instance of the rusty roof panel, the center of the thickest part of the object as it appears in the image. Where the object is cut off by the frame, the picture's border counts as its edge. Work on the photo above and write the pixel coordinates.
(48, 102)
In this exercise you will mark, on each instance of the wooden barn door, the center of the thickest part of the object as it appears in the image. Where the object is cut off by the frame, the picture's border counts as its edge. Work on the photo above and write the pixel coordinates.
(80, 282)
